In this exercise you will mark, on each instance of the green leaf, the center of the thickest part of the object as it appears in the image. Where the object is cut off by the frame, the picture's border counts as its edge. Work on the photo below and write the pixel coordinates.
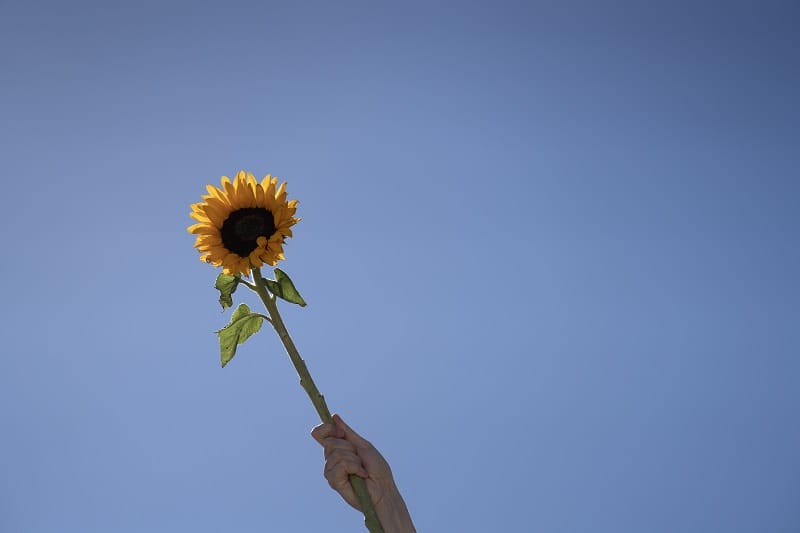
(226, 285)
(243, 324)
(282, 287)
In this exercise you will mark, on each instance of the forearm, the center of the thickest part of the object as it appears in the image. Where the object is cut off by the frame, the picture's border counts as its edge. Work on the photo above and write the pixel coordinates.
(393, 513)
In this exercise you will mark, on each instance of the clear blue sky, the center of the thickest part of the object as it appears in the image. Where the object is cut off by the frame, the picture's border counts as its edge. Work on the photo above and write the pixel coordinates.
(550, 251)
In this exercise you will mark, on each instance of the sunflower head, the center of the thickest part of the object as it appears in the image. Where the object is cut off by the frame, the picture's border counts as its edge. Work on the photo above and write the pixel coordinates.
(243, 223)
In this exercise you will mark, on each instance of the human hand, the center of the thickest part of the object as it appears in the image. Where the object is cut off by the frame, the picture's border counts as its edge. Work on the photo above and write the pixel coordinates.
(347, 452)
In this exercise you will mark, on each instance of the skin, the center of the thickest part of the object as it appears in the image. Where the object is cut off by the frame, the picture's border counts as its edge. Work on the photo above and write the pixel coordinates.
(347, 452)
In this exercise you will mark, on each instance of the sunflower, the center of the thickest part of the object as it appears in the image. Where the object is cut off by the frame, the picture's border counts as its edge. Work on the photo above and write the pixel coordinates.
(244, 223)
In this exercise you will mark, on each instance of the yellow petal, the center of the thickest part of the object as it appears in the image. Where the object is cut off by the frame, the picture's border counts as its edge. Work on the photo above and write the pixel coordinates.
(284, 223)
(245, 197)
(272, 261)
(260, 202)
(217, 194)
(280, 194)
(269, 203)
(210, 238)
(269, 186)
(216, 256)
(216, 215)
(200, 217)
(203, 229)
(218, 205)
(254, 257)
(230, 192)
(250, 193)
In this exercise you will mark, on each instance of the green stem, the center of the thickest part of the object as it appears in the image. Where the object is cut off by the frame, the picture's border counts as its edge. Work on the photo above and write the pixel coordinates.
(317, 399)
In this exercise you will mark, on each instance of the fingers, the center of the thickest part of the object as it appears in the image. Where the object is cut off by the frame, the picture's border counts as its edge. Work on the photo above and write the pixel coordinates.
(324, 431)
(350, 434)
(340, 454)
(331, 445)
(348, 453)
(340, 430)
(341, 461)
(371, 458)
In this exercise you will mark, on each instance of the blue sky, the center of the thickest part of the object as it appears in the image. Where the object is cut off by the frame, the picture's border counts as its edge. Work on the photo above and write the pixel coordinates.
(550, 252)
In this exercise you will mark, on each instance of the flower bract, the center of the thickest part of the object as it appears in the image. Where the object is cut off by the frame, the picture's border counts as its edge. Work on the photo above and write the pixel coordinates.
(243, 223)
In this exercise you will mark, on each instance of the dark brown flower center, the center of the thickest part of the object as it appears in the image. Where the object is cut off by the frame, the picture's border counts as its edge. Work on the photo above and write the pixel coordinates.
(243, 227)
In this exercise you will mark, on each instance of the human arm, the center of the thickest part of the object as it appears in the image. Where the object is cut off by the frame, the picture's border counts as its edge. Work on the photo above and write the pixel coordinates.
(346, 452)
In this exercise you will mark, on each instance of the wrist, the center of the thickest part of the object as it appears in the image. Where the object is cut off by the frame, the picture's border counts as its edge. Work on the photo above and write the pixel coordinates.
(393, 513)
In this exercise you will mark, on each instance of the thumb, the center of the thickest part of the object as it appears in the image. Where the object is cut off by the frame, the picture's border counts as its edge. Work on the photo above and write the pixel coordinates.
(350, 434)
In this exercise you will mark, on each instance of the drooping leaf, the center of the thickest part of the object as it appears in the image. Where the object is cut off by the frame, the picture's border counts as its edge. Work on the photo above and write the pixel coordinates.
(243, 324)
(226, 285)
(283, 288)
